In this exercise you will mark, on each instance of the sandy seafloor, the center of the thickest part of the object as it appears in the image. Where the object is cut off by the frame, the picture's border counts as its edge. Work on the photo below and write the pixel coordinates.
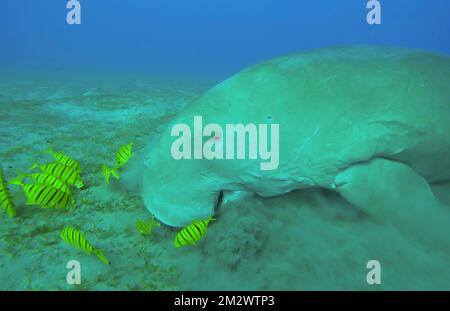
(306, 240)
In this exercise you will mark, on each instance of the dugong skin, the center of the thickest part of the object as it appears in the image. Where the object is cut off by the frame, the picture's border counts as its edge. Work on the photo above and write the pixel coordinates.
(336, 107)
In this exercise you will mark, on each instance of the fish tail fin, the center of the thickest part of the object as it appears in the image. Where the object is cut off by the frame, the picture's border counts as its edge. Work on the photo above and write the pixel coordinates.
(18, 180)
(49, 150)
(10, 211)
(101, 256)
(106, 173)
(33, 166)
(115, 173)
(155, 221)
(79, 184)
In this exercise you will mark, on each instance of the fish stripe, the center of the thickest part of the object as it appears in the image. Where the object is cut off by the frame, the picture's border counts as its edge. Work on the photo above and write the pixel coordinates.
(182, 236)
(44, 195)
(72, 235)
(47, 201)
(57, 171)
(50, 196)
(37, 178)
(191, 236)
(73, 175)
(55, 200)
(37, 192)
(178, 240)
(201, 225)
(60, 200)
(67, 173)
(185, 236)
(33, 189)
(79, 241)
(192, 233)
(196, 232)
(68, 200)
(42, 190)
(83, 243)
(64, 171)
(28, 189)
(201, 230)
(64, 159)
(54, 182)
(69, 234)
(52, 168)
(6, 198)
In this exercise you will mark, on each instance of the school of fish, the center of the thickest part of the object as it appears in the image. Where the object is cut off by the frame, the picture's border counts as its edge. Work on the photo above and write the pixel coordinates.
(50, 187)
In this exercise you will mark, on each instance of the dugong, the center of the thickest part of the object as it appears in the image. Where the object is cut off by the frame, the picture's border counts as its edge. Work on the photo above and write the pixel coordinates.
(371, 123)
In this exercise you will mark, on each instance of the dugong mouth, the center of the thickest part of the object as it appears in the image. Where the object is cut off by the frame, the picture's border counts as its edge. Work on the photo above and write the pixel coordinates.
(181, 211)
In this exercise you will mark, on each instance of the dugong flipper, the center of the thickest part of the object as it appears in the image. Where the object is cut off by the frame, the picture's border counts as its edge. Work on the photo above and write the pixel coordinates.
(372, 123)
(394, 191)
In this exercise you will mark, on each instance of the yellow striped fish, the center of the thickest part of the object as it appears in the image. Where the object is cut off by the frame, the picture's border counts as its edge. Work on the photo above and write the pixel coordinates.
(107, 172)
(192, 233)
(46, 196)
(62, 172)
(50, 180)
(77, 239)
(124, 154)
(146, 228)
(64, 159)
(42, 179)
(5, 197)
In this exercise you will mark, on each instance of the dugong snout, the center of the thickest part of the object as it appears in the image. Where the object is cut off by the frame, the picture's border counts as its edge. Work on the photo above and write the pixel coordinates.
(175, 198)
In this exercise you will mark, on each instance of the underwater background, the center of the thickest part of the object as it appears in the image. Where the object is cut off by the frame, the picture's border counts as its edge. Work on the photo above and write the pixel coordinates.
(124, 73)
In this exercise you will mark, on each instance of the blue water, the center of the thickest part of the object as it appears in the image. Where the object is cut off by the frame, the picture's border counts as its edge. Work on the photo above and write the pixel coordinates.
(216, 37)
(130, 68)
